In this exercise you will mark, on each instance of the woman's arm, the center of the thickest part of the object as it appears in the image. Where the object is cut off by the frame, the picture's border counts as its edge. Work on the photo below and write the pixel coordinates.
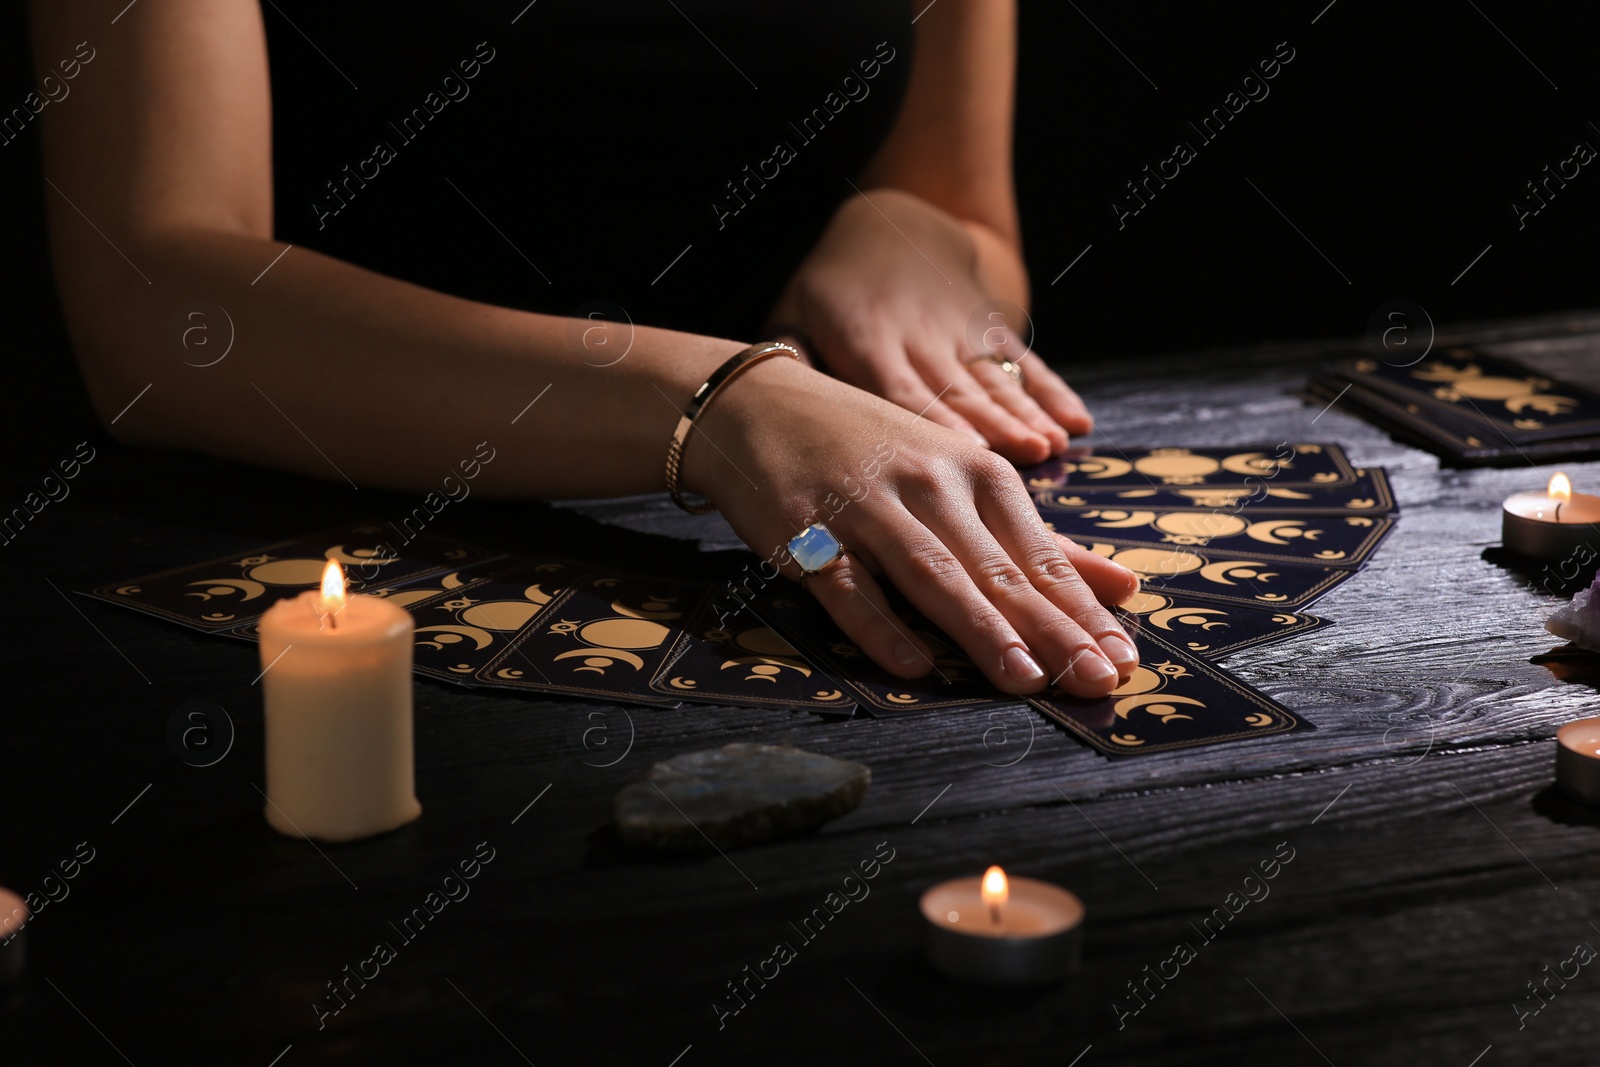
(161, 194)
(898, 296)
(951, 142)
(161, 176)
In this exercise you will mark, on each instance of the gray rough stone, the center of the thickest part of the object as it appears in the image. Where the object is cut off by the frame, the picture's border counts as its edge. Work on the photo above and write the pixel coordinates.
(738, 794)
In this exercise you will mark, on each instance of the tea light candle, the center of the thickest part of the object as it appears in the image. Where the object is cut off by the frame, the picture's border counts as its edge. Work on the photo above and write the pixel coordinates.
(1578, 760)
(1552, 524)
(997, 930)
(336, 678)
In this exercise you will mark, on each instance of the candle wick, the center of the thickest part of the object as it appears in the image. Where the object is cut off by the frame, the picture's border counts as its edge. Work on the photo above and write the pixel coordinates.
(333, 620)
(1558, 511)
(994, 913)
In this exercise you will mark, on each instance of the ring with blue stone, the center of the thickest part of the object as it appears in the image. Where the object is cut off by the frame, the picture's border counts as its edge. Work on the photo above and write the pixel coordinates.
(815, 548)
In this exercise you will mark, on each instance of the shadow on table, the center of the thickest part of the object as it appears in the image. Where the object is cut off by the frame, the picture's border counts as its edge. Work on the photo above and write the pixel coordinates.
(1560, 578)
(1561, 809)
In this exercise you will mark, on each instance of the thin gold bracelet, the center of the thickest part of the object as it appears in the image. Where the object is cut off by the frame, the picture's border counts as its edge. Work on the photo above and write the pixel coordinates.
(702, 396)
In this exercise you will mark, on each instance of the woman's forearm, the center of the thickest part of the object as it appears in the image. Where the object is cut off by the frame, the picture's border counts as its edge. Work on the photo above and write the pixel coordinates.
(338, 372)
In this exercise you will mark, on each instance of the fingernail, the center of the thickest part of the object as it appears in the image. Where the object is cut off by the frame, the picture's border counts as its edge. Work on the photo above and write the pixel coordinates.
(1018, 664)
(906, 654)
(1092, 667)
(978, 437)
(1119, 649)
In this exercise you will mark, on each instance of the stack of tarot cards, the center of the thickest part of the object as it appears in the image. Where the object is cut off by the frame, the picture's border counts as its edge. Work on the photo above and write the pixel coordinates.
(1470, 408)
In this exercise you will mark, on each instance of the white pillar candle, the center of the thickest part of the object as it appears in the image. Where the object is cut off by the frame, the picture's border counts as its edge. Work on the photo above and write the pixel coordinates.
(337, 688)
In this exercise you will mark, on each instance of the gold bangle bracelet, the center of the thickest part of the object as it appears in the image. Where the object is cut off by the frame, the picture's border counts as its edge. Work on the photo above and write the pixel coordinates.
(702, 396)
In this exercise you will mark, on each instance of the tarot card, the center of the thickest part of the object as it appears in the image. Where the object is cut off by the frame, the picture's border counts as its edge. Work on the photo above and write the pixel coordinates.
(741, 660)
(222, 594)
(952, 681)
(1329, 540)
(1195, 574)
(1369, 494)
(1499, 396)
(461, 629)
(1284, 465)
(605, 635)
(1173, 700)
(1212, 631)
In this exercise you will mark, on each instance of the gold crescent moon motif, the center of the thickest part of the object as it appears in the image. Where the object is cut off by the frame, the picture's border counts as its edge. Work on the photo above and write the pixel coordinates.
(1288, 494)
(217, 587)
(1189, 617)
(1271, 531)
(827, 694)
(449, 635)
(1130, 704)
(600, 658)
(1260, 718)
(359, 556)
(773, 667)
(1126, 739)
(902, 698)
(682, 683)
(1120, 520)
(1100, 467)
(1244, 569)
(1251, 463)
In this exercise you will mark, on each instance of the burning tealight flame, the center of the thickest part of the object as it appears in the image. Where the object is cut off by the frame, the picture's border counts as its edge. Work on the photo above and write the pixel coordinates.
(995, 891)
(333, 590)
(1561, 488)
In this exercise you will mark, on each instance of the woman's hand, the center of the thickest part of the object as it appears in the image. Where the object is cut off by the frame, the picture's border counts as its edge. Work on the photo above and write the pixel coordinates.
(942, 517)
(887, 298)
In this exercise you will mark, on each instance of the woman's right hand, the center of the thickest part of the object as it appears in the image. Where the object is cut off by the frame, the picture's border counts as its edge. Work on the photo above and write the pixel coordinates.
(947, 521)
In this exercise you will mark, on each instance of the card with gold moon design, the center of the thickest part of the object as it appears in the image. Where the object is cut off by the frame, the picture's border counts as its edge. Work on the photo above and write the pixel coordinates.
(951, 683)
(221, 595)
(1173, 700)
(462, 627)
(1323, 540)
(1212, 631)
(738, 659)
(1284, 465)
(1369, 494)
(1196, 574)
(605, 635)
(1498, 395)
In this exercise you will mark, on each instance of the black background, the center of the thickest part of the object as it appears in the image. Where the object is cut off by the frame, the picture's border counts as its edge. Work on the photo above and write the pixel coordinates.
(1394, 141)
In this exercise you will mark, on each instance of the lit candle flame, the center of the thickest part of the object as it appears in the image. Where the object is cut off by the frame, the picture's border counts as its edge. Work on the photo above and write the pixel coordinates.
(995, 891)
(333, 590)
(1561, 488)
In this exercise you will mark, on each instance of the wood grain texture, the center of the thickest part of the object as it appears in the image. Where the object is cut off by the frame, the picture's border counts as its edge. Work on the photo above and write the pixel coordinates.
(1435, 871)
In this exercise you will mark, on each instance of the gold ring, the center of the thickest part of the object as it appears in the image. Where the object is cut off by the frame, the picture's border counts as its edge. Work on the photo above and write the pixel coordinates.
(1012, 369)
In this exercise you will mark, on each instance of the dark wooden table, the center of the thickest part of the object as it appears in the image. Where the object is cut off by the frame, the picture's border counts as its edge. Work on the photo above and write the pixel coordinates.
(1434, 872)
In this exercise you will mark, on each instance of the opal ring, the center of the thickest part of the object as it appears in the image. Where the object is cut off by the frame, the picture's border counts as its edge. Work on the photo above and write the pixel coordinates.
(1012, 368)
(815, 549)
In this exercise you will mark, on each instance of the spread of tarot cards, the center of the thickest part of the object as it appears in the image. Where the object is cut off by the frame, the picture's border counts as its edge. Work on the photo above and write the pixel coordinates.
(1231, 545)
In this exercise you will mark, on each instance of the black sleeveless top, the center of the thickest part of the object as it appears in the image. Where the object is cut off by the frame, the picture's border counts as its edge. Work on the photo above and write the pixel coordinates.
(675, 158)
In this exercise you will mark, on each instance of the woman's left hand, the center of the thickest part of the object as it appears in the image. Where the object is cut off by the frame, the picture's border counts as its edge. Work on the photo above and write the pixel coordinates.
(887, 300)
